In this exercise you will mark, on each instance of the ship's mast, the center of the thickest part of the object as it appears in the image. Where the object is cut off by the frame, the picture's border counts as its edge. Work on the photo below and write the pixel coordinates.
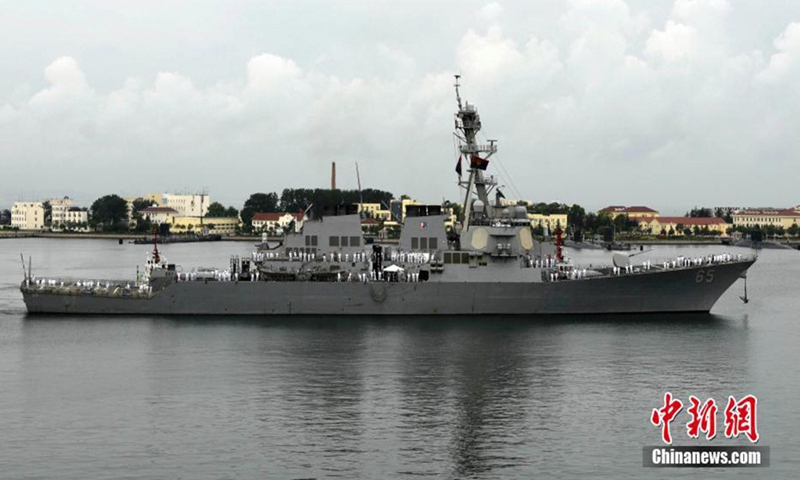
(468, 124)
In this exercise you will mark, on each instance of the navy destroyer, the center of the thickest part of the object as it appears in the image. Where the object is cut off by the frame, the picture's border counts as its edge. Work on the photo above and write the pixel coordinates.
(491, 265)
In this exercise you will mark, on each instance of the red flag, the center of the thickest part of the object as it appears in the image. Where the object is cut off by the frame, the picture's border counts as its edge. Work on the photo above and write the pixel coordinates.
(458, 167)
(478, 162)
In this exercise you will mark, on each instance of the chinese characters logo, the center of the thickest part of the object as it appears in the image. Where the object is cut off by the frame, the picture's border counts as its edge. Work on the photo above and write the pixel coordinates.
(740, 417)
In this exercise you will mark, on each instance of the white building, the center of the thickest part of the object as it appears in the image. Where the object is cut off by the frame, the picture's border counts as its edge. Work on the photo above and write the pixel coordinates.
(187, 205)
(159, 215)
(76, 218)
(276, 222)
(28, 215)
(58, 213)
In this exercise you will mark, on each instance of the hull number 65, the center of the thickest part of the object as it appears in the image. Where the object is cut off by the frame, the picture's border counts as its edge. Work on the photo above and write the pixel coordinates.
(704, 276)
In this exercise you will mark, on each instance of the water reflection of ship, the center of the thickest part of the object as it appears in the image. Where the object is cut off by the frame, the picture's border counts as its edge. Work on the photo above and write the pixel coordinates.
(496, 391)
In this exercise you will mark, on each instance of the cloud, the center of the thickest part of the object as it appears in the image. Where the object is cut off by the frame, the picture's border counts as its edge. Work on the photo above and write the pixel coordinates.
(784, 63)
(600, 103)
(676, 42)
(490, 13)
(487, 57)
(67, 81)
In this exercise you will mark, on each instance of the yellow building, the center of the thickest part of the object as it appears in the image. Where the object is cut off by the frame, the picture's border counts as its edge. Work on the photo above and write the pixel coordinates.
(631, 212)
(394, 215)
(369, 208)
(767, 216)
(657, 225)
(550, 222)
(28, 215)
(204, 225)
(375, 210)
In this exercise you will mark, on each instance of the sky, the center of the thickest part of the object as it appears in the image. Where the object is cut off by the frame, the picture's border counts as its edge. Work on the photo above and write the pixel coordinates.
(668, 104)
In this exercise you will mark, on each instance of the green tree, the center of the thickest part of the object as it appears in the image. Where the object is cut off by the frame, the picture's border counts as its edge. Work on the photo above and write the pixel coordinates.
(141, 203)
(548, 208)
(110, 213)
(218, 210)
(700, 212)
(793, 230)
(296, 199)
(215, 210)
(620, 223)
(48, 214)
(258, 202)
(143, 225)
(576, 216)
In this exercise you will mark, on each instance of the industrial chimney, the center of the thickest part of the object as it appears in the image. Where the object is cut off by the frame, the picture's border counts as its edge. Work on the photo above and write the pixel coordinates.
(333, 175)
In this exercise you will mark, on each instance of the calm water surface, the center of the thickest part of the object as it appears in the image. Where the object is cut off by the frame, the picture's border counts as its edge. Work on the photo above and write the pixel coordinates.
(216, 398)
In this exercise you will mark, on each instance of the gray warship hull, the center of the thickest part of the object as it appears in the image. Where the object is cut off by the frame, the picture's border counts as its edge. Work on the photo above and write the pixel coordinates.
(688, 289)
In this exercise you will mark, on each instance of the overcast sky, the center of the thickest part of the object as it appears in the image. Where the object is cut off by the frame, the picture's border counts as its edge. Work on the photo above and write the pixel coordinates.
(597, 102)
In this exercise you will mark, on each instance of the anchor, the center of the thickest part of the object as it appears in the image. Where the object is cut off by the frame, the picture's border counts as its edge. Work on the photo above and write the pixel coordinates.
(744, 298)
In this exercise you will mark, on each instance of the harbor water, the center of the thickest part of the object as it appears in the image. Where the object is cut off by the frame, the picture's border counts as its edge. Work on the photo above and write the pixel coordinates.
(379, 397)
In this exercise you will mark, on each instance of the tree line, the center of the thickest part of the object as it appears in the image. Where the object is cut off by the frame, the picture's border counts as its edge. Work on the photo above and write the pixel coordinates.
(109, 213)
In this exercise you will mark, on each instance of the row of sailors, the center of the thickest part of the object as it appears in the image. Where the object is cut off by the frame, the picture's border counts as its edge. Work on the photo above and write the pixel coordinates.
(699, 261)
(373, 276)
(42, 282)
(547, 262)
(409, 257)
(574, 274)
(627, 269)
(220, 276)
(84, 284)
(47, 282)
(308, 257)
(394, 255)
(261, 256)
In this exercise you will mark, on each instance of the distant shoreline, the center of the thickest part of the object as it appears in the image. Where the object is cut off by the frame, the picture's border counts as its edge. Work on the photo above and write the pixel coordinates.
(257, 238)
(107, 236)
